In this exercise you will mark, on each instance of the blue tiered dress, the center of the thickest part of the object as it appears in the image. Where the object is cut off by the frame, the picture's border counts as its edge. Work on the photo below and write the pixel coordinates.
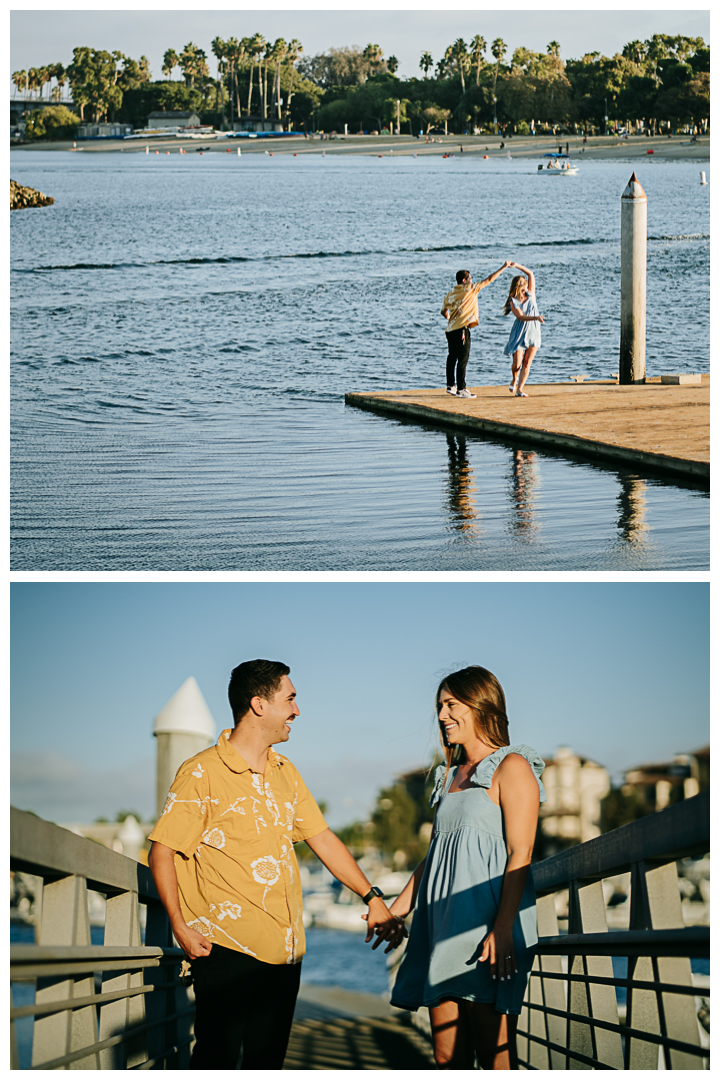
(459, 896)
(525, 334)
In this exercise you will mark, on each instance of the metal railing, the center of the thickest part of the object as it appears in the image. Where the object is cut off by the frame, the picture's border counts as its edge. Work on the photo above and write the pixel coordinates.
(114, 1006)
(570, 1017)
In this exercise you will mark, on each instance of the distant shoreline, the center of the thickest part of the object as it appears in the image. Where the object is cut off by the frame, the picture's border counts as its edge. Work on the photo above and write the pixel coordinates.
(598, 147)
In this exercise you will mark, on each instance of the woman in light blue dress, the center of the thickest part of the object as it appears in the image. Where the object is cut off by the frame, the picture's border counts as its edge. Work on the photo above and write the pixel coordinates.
(525, 338)
(474, 929)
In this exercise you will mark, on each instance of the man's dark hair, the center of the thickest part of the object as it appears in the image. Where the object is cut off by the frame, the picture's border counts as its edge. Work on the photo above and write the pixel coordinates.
(254, 678)
(461, 276)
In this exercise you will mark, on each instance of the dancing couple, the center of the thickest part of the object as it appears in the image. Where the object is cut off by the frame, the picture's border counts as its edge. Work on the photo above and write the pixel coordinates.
(460, 308)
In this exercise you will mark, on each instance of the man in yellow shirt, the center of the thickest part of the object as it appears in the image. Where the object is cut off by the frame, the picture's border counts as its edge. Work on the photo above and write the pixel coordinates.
(223, 862)
(460, 308)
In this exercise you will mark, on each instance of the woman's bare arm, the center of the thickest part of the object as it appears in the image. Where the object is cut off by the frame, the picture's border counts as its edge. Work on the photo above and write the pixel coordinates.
(520, 803)
(528, 273)
(525, 318)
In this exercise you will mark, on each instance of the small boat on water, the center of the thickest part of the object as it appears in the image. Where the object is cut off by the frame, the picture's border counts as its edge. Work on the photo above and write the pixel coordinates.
(559, 165)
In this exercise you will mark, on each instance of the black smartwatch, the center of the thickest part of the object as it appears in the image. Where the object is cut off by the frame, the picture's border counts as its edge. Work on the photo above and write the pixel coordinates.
(373, 892)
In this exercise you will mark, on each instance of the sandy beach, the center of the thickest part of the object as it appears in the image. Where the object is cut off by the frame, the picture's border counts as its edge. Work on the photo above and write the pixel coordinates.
(676, 148)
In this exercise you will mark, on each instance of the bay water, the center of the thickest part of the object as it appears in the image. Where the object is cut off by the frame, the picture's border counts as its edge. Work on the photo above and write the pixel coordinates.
(185, 327)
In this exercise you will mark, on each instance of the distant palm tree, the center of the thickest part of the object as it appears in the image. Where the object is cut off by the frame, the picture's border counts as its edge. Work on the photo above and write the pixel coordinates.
(426, 62)
(635, 51)
(232, 54)
(279, 52)
(217, 46)
(462, 60)
(392, 64)
(373, 54)
(554, 49)
(478, 45)
(498, 49)
(33, 79)
(293, 54)
(441, 68)
(254, 49)
(170, 61)
(20, 79)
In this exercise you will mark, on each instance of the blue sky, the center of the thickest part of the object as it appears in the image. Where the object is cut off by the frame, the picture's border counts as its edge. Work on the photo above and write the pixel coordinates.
(41, 37)
(618, 671)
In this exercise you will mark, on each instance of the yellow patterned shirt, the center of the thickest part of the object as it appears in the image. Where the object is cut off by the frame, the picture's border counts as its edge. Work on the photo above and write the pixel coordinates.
(462, 304)
(233, 831)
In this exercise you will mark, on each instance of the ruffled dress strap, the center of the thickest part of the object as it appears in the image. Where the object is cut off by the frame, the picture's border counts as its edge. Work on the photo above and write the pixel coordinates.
(437, 791)
(485, 770)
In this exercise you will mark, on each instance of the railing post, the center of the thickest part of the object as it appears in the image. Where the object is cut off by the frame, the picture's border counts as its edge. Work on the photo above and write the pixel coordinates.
(656, 905)
(587, 916)
(549, 992)
(65, 922)
(122, 927)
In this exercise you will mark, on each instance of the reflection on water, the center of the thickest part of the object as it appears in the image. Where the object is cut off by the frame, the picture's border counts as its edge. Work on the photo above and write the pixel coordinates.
(524, 481)
(178, 391)
(632, 509)
(463, 514)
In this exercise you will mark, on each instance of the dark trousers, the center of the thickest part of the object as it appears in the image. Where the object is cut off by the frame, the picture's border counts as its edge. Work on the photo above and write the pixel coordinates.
(242, 1004)
(458, 354)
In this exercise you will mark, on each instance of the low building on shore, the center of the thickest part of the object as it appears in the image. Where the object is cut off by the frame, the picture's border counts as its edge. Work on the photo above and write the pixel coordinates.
(173, 118)
(664, 783)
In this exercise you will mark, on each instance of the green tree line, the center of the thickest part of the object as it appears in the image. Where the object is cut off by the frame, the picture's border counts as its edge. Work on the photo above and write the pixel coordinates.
(470, 87)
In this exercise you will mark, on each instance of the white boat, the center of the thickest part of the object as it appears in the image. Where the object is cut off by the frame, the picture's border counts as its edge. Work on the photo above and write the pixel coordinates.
(569, 170)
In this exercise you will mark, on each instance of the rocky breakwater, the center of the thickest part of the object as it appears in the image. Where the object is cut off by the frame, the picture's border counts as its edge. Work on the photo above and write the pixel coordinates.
(23, 197)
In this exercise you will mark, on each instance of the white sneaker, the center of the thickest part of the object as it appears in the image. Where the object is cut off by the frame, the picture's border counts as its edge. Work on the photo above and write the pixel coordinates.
(465, 393)
(452, 390)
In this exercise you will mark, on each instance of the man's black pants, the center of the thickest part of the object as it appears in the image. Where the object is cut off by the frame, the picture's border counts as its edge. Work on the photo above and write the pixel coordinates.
(242, 1003)
(458, 354)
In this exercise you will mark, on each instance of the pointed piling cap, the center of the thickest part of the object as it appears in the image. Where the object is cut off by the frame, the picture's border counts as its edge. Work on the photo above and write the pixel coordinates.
(634, 189)
(186, 713)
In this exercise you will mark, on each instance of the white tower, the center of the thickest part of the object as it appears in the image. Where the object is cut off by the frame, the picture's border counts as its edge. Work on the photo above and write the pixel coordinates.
(184, 727)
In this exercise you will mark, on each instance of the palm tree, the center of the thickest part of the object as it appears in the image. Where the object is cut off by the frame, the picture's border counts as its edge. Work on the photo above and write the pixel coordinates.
(33, 79)
(278, 54)
(232, 54)
(254, 49)
(20, 79)
(635, 51)
(217, 45)
(170, 61)
(478, 45)
(426, 62)
(498, 49)
(462, 60)
(553, 49)
(373, 54)
(293, 53)
(441, 68)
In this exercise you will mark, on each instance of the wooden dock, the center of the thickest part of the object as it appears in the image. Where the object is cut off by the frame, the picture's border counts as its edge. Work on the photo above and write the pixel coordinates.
(655, 426)
(337, 1029)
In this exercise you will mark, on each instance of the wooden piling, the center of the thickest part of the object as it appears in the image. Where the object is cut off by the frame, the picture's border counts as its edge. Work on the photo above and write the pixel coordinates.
(633, 274)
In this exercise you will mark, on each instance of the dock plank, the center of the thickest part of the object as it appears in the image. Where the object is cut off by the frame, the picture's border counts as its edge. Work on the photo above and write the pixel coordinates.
(653, 426)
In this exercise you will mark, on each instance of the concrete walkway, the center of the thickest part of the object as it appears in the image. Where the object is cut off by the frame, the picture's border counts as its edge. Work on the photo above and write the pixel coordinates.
(655, 426)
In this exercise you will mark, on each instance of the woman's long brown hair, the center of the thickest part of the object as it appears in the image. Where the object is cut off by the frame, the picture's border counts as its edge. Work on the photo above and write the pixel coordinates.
(512, 295)
(477, 688)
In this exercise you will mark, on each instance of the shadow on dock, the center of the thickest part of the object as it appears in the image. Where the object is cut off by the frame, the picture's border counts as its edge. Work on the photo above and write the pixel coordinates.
(332, 1030)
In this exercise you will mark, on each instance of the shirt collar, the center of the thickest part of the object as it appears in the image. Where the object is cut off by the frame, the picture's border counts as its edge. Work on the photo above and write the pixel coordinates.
(235, 761)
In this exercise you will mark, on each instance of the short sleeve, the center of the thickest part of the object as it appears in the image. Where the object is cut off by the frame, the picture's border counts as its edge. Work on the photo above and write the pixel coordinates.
(439, 784)
(184, 817)
(309, 820)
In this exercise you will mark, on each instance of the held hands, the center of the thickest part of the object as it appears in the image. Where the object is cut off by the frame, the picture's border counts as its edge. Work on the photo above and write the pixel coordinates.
(498, 949)
(193, 944)
(381, 922)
